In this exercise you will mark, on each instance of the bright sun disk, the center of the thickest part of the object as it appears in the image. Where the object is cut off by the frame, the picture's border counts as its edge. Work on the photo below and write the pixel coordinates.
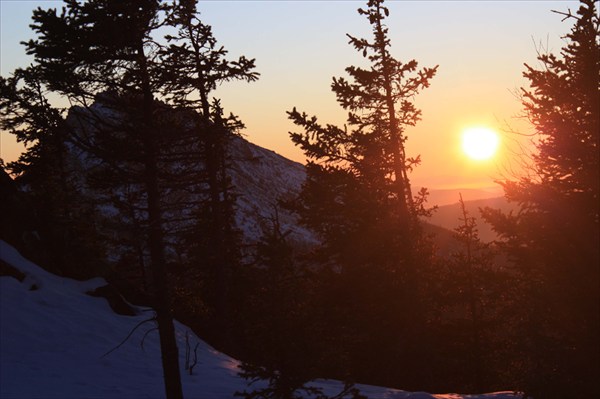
(480, 143)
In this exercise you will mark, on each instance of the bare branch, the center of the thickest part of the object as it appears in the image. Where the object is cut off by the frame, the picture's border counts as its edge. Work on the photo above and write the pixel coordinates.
(567, 14)
(129, 335)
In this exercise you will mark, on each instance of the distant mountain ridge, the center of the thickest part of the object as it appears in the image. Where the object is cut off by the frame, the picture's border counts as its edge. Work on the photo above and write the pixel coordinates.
(442, 197)
(447, 216)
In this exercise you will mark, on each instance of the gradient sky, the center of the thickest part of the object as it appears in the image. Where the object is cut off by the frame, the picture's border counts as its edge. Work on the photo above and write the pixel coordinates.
(299, 46)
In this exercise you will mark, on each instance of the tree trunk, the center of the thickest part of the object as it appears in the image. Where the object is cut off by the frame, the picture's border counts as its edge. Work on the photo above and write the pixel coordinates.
(217, 238)
(168, 344)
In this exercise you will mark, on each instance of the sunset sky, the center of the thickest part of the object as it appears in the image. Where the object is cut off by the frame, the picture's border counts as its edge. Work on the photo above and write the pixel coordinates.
(299, 46)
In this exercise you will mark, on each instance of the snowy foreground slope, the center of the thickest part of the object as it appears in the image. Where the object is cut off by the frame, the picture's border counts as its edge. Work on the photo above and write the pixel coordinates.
(53, 337)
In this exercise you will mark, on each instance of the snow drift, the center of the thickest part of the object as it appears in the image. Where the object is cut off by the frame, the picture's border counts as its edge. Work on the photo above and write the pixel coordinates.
(54, 340)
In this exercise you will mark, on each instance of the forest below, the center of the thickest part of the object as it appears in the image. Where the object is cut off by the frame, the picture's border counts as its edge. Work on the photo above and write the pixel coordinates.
(327, 270)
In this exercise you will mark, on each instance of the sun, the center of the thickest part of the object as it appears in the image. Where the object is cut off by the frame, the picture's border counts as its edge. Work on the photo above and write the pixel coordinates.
(480, 143)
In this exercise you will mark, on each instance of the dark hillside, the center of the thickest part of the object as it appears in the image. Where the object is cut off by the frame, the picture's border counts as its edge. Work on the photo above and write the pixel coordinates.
(447, 216)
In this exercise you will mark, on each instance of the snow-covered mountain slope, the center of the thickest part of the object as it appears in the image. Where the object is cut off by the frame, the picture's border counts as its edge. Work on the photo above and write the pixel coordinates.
(262, 178)
(54, 337)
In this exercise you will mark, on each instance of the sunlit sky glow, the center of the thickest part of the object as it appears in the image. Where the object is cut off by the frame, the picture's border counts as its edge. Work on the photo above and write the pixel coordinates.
(480, 143)
(299, 46)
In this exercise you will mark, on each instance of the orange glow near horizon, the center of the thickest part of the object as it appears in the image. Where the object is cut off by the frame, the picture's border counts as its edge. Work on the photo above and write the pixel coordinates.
(480, 67)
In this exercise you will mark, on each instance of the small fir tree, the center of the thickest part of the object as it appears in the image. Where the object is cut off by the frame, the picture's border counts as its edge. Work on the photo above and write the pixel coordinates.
(475, 289)
(66, 218)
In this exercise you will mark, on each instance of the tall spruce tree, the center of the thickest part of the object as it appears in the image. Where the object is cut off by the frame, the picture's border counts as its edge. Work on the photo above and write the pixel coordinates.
(380, 105)
(194, 65)
(365, 167)
(102, 45)
(358, 196)
(553, 238)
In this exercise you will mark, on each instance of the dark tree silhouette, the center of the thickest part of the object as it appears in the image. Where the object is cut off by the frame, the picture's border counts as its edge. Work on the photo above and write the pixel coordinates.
(364, 171)
(98, 46)
(553, 238)
(473, 295)
(159, 164)
(278, 342)
(379, 101)
(65, 218)
(193, 66)
(358, 197)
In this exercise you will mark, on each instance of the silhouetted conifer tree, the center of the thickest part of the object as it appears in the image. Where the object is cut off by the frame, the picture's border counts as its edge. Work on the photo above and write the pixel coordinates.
(194, 65)
(358, 196)
(66, 219)
(277, 343)
(469, 259)
(283, 333)
(103, 45)
(553, 238)
(472, 300)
